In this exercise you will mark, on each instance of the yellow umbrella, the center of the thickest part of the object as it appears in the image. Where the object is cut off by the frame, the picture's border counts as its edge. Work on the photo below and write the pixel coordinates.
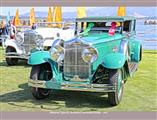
(121, 12)
(57, 15)
(32, 17)
(49, 17)
(81, 12)
(16, 18)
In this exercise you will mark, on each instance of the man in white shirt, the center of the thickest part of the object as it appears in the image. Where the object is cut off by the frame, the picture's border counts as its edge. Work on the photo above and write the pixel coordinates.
(12, 30)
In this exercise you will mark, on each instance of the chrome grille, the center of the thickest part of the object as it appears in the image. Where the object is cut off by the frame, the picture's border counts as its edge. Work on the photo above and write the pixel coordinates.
(29, 40)
(73, 62)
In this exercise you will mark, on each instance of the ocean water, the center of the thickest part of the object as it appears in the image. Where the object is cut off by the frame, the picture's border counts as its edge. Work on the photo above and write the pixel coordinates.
(147, 35)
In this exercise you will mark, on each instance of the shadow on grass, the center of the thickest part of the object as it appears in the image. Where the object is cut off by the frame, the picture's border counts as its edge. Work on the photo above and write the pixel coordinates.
(71, 99)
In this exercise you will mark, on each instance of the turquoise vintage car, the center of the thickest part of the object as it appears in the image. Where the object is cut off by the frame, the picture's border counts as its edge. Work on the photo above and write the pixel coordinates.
(100, 58)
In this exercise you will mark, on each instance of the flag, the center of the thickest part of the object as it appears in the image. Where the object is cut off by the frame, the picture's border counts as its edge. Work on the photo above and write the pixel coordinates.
(49, 17)
(81, 12)
(57, 16)
(32, 17)
(16, 18)
(121, 11)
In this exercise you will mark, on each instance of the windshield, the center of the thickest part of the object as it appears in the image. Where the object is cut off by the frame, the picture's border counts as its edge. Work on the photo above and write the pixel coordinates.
(99, 27)
(22, 28)
(61, 25)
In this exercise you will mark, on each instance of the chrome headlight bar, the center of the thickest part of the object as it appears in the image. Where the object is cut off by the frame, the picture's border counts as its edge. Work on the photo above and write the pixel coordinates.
(39, 42)
(20, 38)
(57, 50)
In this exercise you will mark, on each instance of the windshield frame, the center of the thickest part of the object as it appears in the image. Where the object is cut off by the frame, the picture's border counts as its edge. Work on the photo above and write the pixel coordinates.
(80, 26)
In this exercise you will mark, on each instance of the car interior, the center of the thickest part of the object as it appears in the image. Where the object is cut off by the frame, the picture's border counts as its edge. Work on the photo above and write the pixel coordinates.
(100, 27)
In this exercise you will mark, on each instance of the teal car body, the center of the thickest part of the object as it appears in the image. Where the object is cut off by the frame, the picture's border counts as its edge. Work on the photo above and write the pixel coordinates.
(91, 61)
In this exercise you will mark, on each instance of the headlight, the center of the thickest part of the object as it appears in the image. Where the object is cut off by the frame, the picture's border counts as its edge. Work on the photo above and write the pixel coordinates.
(19, 38)
(89, 55)
(57, 51)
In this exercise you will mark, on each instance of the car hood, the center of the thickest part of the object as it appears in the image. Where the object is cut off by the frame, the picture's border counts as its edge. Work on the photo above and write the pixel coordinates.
(99, 38)
(52, 33)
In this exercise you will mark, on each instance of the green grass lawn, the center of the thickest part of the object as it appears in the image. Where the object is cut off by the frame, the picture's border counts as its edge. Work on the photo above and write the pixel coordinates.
(139, 95)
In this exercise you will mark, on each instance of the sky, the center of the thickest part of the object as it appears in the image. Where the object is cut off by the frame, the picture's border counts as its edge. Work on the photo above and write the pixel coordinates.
(152, 11)
(23, 10)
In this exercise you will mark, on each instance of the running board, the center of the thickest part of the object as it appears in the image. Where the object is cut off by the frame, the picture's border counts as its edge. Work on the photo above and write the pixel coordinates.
(16, 55)
(132, 67)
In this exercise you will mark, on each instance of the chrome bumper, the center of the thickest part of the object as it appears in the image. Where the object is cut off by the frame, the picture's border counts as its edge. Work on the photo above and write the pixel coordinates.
(72, 86)
(16, 55)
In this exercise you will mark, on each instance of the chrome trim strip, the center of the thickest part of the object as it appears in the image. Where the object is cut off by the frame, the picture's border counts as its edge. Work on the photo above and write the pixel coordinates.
(88, 89)
(75, 86)
(87, 85)
(16, 55)
(21, 57)
(12, 53)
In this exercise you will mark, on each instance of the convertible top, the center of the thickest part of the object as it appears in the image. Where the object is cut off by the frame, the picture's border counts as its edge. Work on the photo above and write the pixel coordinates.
(105, 19)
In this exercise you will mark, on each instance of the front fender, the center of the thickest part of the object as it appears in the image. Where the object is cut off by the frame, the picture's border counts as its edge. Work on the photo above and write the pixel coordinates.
(12, 43)
(38, 57)
(136, 51)
(114, 60)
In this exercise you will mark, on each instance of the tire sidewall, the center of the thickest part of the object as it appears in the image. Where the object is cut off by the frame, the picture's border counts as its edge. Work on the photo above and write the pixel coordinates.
(11, 61)
(119, 86)
(115, 79)
(38, 93)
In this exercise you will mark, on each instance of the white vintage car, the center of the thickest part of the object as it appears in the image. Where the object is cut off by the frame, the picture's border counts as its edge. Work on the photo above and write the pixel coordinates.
(29, 41)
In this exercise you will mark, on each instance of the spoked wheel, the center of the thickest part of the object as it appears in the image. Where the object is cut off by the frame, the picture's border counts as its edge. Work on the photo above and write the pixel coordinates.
(38, 93)
(115, 79)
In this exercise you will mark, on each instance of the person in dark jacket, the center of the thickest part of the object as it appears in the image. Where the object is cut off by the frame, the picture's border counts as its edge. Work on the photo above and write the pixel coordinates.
(5, 29)
(5, 33)
(0, 34)
(34, 26)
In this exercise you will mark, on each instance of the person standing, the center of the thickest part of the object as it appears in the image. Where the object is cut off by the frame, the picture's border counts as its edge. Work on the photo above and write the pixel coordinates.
(0, 33)
(34, 26)
(5, 32)
(12, 30)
